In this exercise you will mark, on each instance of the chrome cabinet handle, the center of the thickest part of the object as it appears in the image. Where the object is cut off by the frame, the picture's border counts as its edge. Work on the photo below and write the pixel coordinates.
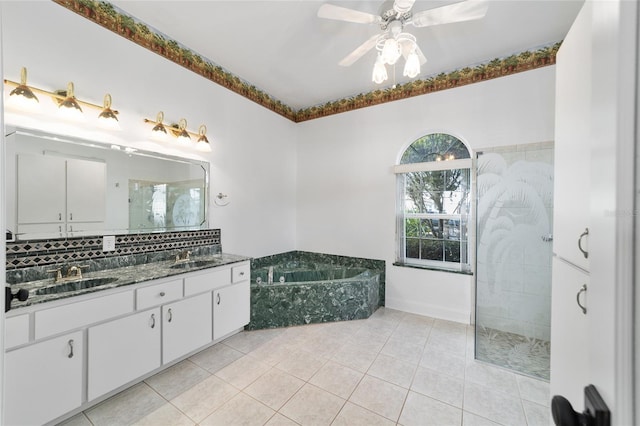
(584, 234)
(169, 315)
(218, 300)
(242, 274)
(70, 216)
(70, 348)
(59, 216)
(162, 294)
(583, 289)
(153, 320)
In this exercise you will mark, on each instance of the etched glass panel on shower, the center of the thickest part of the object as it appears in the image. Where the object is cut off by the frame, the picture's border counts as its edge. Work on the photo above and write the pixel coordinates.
(513, 257)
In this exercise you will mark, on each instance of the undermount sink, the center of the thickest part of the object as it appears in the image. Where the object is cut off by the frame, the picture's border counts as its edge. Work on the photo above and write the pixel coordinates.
(192, 264)
(82, 284)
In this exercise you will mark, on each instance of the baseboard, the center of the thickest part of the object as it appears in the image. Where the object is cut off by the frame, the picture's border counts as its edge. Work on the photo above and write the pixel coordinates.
(425, 309)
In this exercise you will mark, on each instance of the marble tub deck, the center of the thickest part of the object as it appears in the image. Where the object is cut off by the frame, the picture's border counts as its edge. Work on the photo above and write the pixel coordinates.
(393, 368)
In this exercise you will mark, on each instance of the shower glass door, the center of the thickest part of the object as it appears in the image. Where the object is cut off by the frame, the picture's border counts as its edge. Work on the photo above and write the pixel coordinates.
(513, 257)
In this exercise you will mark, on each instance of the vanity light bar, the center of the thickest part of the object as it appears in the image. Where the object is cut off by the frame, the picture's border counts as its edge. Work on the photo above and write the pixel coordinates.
(58, 96)
(180, 131)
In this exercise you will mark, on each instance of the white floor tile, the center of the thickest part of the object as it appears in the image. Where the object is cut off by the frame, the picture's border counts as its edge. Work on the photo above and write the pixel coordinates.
(492, 405)
(241, 410)
(337, 379)
(438, 386)
(536, 414)
(177, 379)
(204, 398)
(381, 397)
(242, 372)
(354, 415)
(274, 388)
(420, 410)
(534, 390)
(393, 370)
(313, 406)
(167, 415)
(127, 407)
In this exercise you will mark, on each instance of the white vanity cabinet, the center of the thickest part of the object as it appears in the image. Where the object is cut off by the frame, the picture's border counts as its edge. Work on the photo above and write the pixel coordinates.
(44, 380)
(230, 312)
(186, 326)
(122, 350)
(117, 337)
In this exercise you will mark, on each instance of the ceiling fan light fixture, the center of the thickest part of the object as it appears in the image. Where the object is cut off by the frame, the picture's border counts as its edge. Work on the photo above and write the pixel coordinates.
(412, 65)
(379, 71)
(391, 51)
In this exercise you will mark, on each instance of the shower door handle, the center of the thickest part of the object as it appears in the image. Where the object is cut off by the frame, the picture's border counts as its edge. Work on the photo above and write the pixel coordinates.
(547, 238)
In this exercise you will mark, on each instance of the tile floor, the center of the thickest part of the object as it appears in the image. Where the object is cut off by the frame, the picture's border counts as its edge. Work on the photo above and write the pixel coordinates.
(391, 369)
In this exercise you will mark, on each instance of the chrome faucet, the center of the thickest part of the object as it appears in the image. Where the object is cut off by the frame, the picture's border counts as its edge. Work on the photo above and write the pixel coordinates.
(270, 275)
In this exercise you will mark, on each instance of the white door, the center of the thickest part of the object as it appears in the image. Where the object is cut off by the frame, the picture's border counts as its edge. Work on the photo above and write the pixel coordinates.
(122, 350)
(186, 326)
(43, 381)
(41, 189)
(230, 309)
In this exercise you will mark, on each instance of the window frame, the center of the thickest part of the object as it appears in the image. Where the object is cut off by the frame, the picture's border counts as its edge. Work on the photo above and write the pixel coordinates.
(401, 256)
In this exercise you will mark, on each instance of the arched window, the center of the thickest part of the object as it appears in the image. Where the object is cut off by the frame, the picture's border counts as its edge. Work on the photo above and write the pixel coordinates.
(433, 203)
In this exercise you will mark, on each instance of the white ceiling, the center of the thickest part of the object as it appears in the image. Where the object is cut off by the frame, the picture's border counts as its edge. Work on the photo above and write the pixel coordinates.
(284, 49)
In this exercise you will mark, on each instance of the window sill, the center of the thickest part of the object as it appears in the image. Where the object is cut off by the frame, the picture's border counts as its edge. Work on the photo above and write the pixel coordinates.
(431, 268)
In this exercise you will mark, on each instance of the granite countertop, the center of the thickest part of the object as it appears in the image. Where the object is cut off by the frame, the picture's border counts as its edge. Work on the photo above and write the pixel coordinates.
(42, 291)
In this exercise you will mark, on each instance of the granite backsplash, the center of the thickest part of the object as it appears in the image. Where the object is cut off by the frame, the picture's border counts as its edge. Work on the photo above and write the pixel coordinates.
(32, 259)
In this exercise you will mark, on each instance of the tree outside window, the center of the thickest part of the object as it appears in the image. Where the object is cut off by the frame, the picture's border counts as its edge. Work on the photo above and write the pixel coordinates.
(434, 206)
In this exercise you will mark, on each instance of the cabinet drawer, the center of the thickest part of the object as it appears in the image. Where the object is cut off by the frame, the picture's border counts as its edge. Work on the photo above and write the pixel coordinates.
(158, 293)
(16, 331)
(210, 280)
(240, 273)
(74, 315)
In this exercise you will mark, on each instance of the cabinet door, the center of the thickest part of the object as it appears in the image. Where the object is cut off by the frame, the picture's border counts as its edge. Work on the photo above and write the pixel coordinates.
(186, 326)
(41, 189)
(569, 333)
(572, 158)
(122, 350)
(86, 191)
(43, 381)
(230, 309)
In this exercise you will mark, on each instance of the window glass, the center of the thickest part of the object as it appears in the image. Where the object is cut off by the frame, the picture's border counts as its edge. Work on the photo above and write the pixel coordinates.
(433, 216)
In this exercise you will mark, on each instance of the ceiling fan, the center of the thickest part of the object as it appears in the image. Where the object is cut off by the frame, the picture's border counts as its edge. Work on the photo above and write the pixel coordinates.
(394, 42)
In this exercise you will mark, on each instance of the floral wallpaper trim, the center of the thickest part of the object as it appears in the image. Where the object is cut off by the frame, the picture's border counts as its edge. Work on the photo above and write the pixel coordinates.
(108, 16)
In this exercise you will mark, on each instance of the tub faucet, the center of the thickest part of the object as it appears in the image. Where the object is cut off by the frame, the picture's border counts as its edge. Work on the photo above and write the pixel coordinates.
(270, 275)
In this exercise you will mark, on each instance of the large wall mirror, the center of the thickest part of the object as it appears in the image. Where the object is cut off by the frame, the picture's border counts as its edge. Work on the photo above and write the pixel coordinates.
(59, 186)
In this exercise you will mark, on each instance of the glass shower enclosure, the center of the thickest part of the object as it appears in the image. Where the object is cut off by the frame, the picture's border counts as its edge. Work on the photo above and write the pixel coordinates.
(514, 219)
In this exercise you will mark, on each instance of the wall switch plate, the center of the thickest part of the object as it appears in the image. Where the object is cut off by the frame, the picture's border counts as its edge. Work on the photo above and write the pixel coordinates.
(108, 243)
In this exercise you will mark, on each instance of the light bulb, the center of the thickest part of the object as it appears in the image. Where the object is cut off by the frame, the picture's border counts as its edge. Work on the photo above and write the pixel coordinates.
(379, 71)
(412, 66)
(390, 51)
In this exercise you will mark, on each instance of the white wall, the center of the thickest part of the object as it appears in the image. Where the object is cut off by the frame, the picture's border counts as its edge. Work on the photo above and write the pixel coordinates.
(346, 189)
(324, 185)
(254, 150)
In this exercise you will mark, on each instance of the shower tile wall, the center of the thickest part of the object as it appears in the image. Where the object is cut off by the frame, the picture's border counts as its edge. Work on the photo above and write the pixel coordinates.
(515, 212)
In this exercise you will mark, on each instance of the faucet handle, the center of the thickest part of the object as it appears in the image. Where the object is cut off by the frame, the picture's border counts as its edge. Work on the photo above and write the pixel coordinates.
(58, 273)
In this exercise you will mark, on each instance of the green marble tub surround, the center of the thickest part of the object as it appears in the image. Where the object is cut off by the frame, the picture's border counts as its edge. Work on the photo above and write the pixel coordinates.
(316, 288)
(298, 258)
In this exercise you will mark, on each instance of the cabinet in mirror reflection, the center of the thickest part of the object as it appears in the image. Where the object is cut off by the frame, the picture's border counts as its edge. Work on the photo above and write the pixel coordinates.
(67, 187)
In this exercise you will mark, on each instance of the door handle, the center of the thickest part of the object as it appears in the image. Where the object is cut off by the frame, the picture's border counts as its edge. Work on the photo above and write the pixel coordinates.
(153, 320)
(169, 315)
(70, 349)
(583, 289)
(218, 299)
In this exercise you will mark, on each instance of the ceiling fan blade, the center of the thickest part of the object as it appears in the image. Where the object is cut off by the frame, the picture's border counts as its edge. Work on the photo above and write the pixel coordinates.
(359, 52)
(459, 12)
(330, 11)
(403, 6)
(406, 49)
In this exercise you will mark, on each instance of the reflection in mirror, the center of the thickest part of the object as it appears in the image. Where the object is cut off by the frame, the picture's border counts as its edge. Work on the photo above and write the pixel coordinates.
(67, 187)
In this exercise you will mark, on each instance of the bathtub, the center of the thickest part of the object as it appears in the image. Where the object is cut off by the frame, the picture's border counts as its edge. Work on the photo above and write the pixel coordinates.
(313, 288)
